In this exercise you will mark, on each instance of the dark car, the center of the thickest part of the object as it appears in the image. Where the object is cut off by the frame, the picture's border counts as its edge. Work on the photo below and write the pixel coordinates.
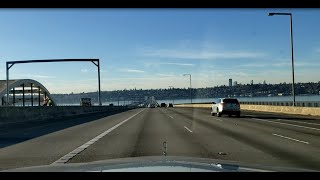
(163, 105)
(170, 105)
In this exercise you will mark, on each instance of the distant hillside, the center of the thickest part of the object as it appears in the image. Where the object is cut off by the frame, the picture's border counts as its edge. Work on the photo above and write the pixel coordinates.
(247, 90)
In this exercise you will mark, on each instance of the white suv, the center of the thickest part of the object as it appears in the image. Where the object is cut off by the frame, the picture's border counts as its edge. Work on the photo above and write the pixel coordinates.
(228, 106)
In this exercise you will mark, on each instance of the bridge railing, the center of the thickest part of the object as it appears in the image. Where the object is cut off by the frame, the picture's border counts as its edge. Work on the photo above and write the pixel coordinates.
(283, 103)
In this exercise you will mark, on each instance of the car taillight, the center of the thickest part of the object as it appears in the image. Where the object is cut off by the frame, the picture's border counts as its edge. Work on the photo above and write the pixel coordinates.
(222, 104)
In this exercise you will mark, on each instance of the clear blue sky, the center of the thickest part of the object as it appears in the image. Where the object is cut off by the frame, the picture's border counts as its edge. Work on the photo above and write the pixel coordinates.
(152, 48)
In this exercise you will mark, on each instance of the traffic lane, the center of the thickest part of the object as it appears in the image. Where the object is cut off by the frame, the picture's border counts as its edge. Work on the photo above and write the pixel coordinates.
(222, 145)
(13, 133)
(313, 121)
(274, 127)
(281, 147)
(144, 135)
(296, 126)
(48, 148)
(306, 118)
(297, 154)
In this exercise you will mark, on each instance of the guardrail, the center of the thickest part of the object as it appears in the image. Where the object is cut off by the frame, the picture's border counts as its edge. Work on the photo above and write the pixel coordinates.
(274, 103)
(284, 103)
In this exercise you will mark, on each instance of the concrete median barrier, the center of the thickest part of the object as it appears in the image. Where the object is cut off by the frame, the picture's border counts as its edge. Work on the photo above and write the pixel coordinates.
(194, 105)
(23, 114)
(313, 111)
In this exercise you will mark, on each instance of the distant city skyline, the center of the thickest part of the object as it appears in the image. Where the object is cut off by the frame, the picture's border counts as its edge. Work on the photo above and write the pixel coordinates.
(153, 48)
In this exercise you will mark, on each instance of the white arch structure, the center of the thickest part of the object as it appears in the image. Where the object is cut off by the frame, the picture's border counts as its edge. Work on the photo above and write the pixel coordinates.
(24, 91)
(96, 62)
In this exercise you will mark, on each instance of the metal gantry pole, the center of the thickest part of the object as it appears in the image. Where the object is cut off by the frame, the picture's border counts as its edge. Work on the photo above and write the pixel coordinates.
(7, 71)
(23, 94)
(99, 95)
(292, 59)
(31, 95)
(292, 62)
(190, 90)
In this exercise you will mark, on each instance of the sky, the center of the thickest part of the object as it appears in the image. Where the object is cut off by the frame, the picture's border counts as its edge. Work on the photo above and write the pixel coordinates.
(153, 48)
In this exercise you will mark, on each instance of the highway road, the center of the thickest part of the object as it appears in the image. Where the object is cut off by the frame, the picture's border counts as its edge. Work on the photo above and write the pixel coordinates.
(256, 138)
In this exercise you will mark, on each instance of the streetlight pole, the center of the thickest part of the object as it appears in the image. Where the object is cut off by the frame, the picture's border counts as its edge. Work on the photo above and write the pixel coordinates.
(190, 86)
(172, 96)
(292, 61)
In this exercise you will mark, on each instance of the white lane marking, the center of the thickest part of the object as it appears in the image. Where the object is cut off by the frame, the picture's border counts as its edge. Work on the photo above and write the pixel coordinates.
(78, 150)
(218, 119)
(290, 138)
(170, 116)
(187, 129)
(288, 124)
(299, 122)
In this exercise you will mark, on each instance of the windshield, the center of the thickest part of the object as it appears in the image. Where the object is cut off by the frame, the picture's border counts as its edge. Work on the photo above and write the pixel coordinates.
(230, 101)
(84, 85)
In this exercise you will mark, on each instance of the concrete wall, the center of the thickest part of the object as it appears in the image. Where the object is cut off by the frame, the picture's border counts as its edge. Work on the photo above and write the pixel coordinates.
(314, 111)
(22, 114)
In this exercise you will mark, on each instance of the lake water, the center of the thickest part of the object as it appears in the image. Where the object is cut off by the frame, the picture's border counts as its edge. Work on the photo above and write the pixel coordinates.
(203, 100)
(249, 99)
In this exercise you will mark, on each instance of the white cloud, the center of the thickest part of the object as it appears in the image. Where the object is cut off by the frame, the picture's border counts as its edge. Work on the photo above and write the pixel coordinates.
(131, 70)
(205, 78)
(178, 64)
(84, 70)
(306, 64)
(317, 50)
(34, 76)
(253, 65)
(164, 75)
(204, 55)
(281, 64)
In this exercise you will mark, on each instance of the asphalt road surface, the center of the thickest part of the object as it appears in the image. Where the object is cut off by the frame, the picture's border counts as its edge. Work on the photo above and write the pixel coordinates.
(256, 138)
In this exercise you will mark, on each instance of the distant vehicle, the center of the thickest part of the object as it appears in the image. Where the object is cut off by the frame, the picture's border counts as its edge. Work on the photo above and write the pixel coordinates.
(170, 105)
(163, 105)
(111, 104)
(151, 106)
(85, 102)
(230, 106)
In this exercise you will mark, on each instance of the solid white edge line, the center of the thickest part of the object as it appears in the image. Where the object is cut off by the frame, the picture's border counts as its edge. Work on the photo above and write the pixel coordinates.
(187, 129)
(84, 146)
(318, 124)
(290, 138)
(287, 124)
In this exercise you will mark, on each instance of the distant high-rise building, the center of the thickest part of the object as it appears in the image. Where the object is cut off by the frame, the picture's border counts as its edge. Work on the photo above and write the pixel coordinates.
(235, 83)
(264, 82)
(230, 82)
(251, 82)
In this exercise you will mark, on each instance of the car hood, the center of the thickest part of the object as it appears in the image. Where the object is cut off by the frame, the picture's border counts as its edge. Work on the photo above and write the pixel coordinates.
(156, 164)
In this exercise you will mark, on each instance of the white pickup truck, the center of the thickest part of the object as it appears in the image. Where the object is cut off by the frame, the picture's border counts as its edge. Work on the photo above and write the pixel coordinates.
(228, 106)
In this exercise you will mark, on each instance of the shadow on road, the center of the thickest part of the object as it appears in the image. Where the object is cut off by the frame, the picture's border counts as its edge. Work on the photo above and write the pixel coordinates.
(18, 132)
